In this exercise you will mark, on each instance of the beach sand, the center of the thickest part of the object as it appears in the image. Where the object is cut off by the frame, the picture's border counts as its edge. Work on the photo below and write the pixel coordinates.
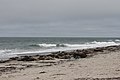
(99, 67)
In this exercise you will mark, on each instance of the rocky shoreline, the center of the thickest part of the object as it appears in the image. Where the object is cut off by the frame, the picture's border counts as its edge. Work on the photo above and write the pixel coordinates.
(76, 54)
(16, 64)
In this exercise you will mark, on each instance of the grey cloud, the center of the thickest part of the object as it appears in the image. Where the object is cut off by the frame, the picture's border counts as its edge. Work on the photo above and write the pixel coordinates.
(59, 18)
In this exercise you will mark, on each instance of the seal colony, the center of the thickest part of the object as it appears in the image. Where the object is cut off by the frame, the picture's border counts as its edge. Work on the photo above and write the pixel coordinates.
(60, 65)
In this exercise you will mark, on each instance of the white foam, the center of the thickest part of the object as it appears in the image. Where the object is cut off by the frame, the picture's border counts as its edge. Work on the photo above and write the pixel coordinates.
(94, 43)
(5, 51)
(47, 45)
(4, 54)
(72, 47)
(117, 40)
(55, 49)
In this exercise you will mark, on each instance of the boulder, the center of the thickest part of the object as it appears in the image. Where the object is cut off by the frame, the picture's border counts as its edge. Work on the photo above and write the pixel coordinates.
(98, 49)
(79, 55)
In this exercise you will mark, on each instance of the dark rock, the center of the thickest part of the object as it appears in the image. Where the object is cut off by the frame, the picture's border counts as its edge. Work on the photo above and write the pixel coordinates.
(37, 78)
(87, 51)
(61, 54)
(41, 57)
(36, 55)
(42, 72)
(14, 58)
(112, 48)
(4, 61)
(98, 50)
(83, 55)
(52, 55)
(65, 57)
(28, 66)
(46, 57)
(79, 55)
(5, 69)
(26, 58)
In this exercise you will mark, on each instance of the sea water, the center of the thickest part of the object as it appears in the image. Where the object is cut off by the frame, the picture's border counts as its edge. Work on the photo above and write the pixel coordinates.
(13, 46)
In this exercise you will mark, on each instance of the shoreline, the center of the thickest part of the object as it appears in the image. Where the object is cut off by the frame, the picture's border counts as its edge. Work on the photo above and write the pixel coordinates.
(60, 65)
(70, 54)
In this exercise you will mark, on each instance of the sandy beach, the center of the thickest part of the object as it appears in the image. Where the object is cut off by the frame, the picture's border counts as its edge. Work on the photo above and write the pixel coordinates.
(105, 66)
(59, 39)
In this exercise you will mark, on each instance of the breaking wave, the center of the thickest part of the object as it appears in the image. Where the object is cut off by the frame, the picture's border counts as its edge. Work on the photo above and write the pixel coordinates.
(92, 44)
(48, 45)
(117, 40)
(47, 48)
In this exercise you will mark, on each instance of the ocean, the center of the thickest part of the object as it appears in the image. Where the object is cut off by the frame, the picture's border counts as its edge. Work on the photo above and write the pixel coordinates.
(13, 46)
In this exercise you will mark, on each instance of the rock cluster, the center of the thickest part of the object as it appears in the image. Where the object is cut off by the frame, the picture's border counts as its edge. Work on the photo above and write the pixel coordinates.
(6, 69)
(67, 54)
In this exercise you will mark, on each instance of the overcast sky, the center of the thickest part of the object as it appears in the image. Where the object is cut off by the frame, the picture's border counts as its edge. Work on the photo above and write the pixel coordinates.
(61, 18)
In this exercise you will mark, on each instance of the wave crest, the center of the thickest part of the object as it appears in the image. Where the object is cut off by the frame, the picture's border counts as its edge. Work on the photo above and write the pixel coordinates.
(48, 45)
(117, 40)
(91, 44)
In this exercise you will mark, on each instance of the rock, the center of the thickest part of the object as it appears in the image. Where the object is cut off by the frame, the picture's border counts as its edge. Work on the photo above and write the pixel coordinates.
(65, 57)
(98, 49)
(52, 55)
(79, 55)
(4, 61)
(37, 78)
(112, 48)
(42, 72)
(36, 55)
(45, 57)
(42, 57)
(67, 54)
(26, 58)
(5, 69)
(49, 58)
(14, 58)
